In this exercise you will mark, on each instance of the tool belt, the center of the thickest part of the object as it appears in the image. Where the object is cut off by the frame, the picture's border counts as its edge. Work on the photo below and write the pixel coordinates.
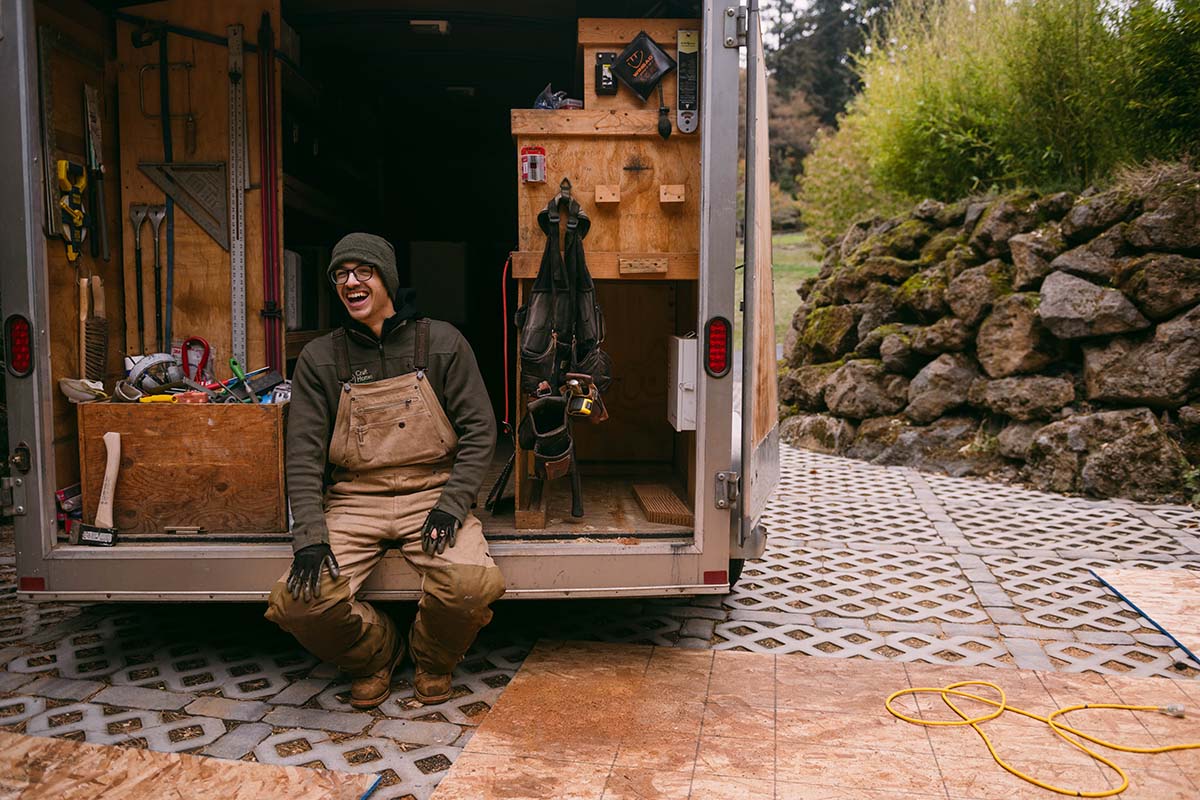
(545, 433)
(562, 326)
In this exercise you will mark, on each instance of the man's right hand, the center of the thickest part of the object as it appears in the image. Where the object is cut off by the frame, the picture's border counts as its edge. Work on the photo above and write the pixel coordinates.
(305, 578)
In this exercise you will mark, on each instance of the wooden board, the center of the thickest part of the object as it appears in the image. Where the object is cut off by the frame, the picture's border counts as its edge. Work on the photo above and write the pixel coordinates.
(660, 504)
(607, 265)
(639, 318)
(612, 149)
(202, 272)
(612, 35)
(218, 466)
(87, 28)
(766, 389)
(1168, 598)
(35, 768)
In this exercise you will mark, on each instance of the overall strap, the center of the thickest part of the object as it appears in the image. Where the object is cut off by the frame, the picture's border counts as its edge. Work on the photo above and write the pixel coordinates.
(341, 355)
(421, 346)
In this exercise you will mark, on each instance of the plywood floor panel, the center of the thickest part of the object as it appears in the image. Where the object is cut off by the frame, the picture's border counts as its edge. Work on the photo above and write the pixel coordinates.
(35, 768)
(1168, 598)
(589, 720)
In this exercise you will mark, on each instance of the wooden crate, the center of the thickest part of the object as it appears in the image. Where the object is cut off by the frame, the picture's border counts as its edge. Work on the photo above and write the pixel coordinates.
(217, 466)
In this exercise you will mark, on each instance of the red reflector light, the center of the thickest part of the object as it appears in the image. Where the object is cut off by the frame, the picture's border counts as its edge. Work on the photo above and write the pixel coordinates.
(717, 360)
(18, 346)
(716, 576)
(32, 584)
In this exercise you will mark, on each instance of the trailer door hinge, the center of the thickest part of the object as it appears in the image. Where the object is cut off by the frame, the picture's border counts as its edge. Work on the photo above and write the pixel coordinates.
(12, 496)
(728, 488)
(735, 26)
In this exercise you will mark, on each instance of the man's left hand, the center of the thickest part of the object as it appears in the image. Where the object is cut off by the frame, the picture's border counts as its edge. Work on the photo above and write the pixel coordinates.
(440, 532)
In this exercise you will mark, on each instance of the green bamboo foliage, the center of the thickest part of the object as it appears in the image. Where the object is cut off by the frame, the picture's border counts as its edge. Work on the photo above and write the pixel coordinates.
(965, 97)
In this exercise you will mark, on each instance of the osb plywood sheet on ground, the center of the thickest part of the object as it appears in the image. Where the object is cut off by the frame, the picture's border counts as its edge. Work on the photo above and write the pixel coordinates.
(592, 721)
(1168, 598)
(33, 768)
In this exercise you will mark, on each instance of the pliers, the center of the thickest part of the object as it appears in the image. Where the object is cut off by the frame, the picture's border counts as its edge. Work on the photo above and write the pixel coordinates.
(204, 351)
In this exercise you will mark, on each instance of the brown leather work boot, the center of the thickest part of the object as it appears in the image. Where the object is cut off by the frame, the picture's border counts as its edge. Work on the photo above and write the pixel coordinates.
(371, 690)
(431, 687)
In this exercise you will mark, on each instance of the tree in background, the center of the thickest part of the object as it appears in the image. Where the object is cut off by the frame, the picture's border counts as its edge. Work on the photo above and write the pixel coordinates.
(817, 45)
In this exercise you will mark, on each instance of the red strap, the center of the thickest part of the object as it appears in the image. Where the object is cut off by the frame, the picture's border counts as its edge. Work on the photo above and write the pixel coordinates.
(504, 295)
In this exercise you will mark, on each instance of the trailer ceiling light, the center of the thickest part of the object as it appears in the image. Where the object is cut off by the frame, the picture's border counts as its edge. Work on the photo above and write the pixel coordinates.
(18, 346)
(429, 27)
(716, 347)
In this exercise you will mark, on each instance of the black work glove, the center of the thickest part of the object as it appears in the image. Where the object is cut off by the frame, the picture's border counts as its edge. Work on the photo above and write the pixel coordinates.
(305, 578)
(440, 532)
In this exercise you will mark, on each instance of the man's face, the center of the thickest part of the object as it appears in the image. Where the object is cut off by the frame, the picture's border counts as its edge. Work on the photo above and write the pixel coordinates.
(366, 300)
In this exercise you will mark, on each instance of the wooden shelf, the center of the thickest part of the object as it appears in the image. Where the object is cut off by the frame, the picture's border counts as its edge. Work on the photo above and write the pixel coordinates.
(585, 122)
(606, 265)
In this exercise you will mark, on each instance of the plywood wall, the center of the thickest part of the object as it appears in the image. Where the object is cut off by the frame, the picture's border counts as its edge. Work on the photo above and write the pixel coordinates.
(202, 271)
(88, 31)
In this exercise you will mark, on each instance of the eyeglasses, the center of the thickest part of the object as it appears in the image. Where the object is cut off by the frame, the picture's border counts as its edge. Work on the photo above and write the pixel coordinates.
(362, 272)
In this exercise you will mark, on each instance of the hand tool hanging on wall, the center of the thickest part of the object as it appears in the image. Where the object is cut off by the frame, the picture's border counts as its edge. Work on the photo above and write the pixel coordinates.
(52, 46)
(188, 117)
(156, 214)
(184, 352)
(271, 313)
(96, 333)
(137, 217)
(197, 188)
(72, 180)
(237, 194)
(142, 38)
(95, 163)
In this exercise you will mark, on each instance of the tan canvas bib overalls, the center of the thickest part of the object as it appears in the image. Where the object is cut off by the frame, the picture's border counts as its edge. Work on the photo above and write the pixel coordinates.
(392, 450)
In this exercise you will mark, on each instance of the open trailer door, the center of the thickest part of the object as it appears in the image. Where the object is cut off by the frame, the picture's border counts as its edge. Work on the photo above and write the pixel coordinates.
(760, 399)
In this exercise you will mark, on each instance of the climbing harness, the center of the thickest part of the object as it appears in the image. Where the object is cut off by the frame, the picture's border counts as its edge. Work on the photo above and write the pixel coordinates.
(1001, 706)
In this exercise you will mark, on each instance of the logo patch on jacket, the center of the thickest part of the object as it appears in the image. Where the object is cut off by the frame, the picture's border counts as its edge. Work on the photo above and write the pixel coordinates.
(362, 376)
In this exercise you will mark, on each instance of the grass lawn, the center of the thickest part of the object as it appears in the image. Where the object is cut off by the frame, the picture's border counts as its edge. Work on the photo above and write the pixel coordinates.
(795, 258)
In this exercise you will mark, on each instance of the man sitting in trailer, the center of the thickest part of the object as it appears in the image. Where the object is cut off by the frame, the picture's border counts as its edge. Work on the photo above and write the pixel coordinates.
(390, 432)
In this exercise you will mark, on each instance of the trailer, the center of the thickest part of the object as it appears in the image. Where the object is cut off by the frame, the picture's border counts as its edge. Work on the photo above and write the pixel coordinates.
(267, 129)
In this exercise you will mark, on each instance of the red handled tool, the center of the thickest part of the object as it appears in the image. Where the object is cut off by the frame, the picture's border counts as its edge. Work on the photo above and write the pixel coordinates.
(204, 352)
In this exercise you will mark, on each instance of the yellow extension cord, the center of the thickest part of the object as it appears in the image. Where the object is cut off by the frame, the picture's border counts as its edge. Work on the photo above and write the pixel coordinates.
(1002, 705)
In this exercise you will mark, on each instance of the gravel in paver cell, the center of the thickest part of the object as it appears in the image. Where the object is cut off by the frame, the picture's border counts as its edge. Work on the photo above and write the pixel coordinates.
(437, 763)
(239, 741)
(340, 721)
(137, 697)
(224, 708)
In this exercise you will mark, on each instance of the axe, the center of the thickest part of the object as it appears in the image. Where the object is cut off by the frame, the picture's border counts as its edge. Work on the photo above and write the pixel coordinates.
(102, 532)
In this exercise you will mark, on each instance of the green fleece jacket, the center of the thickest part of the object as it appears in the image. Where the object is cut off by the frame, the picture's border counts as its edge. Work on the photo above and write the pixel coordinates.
(454, 376)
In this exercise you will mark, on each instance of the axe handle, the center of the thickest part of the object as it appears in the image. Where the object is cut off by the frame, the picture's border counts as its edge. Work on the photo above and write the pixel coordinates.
(112, 448)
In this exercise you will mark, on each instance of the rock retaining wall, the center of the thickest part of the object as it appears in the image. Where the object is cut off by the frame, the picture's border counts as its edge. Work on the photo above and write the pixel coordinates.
(1053, 339)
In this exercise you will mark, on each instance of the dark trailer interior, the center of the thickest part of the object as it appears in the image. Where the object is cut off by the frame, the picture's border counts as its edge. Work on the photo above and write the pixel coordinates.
(396, 118)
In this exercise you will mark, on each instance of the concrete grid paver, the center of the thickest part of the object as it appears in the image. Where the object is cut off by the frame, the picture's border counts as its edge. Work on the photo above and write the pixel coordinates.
(862, 562)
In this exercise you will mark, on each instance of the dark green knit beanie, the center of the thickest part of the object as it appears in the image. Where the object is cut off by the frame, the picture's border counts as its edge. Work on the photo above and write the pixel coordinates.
(368, 248)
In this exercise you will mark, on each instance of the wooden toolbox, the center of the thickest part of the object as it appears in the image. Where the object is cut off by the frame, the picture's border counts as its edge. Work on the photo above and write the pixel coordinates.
(214, 466)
